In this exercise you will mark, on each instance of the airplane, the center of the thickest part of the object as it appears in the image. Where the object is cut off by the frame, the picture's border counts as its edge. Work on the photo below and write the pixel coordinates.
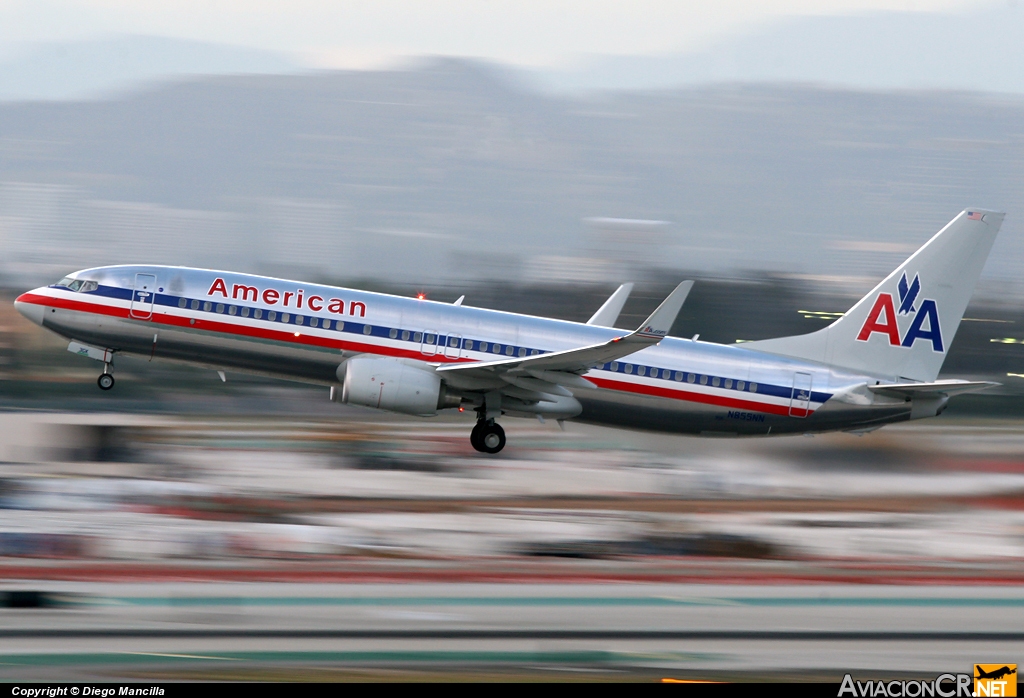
(875, 365)
(994, 674)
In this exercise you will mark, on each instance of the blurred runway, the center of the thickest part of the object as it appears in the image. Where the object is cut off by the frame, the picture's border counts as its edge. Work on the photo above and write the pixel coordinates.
(123, 631)
(164, 547)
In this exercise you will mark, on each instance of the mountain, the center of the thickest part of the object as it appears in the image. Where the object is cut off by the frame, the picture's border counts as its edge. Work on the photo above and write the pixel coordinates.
(89, 69)
(978, 50)
(448, 170)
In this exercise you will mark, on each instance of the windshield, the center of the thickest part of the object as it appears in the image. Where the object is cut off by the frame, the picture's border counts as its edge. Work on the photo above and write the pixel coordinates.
(77, 284)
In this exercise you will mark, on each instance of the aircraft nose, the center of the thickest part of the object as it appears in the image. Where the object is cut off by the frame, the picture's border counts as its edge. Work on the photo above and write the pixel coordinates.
(33, 311)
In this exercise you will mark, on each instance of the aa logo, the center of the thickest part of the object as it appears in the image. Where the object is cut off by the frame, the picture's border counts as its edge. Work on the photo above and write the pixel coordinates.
(883, 317)
(995, 680)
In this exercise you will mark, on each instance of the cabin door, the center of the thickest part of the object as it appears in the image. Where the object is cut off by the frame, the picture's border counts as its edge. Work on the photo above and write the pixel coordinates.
(800, 402)
(143, 296)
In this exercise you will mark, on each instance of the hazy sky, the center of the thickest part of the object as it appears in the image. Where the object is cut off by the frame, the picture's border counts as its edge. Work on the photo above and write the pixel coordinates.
(336, 33)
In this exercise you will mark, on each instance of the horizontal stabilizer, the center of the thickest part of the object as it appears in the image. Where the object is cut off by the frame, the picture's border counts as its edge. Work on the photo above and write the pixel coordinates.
(918, 390)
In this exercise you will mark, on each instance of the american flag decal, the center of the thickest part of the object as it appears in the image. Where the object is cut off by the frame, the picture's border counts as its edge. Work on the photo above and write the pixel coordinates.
(975, 216)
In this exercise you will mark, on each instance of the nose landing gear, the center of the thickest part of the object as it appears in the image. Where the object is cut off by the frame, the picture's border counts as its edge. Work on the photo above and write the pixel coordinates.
(487, 436)
(106, 380)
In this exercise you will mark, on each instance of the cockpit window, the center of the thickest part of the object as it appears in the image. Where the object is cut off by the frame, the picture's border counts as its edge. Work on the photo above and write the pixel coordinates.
(78, 285)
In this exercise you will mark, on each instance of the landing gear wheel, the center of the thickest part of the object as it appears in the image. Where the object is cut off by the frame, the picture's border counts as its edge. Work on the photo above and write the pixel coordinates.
(476, 436)
(492, 438)
(105, 381)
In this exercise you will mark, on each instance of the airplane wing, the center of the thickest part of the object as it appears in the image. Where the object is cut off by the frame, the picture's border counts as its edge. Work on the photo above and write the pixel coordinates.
(549, 372)
(946, 387)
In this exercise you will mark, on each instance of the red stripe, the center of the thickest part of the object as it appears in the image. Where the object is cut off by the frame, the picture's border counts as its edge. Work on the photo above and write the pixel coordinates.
(691, 396)
(231, 328)
(313, 340)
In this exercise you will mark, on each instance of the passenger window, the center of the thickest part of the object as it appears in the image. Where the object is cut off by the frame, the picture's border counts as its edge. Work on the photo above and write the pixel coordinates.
(207, 306)
(715, 381)
(753, 387)
(496, 348)
(522, 351)
(272, 315)
(405, 335)
(690, 378)
(393, 333)
(245, 311)
(679, 375)
(220, 307)
(641, 370)
(483, 346)
(453, 341)
(417, 336)
(703, 380)
(615, 366)
(182, 302)
(300, 319)
(739, 385)
(728, 383)
(285, 317)
(232, 310)
(313, 322)
(509, 350)
(629, 368)
(367, 329)
(534, 352)
(469, 344)
(195, 305)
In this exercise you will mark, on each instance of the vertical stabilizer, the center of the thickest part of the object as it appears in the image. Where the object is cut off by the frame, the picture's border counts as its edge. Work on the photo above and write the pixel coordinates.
(904, 326)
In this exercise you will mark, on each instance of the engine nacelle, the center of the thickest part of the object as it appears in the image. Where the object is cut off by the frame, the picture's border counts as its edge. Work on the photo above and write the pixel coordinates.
(390, 384)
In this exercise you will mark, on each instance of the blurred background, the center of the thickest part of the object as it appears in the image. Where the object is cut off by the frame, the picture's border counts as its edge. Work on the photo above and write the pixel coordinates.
(531, 156)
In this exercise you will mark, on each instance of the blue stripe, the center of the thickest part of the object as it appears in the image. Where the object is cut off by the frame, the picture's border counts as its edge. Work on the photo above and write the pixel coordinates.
(378, 331)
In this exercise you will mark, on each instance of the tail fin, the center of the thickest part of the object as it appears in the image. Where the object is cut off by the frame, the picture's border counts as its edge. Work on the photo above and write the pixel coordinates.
(904, 327)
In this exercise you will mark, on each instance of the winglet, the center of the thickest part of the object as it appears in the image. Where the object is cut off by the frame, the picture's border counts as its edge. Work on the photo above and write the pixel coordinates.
(582, 359)
(608, 313)
(664, 316)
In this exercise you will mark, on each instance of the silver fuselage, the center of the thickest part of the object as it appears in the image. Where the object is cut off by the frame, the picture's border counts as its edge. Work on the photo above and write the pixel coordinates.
(303, 332)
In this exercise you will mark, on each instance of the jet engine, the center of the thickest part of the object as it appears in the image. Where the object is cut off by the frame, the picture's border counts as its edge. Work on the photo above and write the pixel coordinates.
(393, 385)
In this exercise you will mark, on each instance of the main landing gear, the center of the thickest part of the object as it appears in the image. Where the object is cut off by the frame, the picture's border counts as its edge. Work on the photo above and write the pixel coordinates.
(487, 436)
(106, 379)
